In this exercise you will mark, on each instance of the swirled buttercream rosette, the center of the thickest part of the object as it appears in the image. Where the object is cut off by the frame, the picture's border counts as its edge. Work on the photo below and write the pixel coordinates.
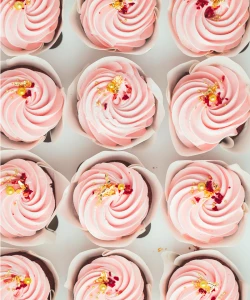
(206, 202)
(210, 27)
(29, 26)
(117, 274)
(117, 26)
(204, 274)
(209, 105)
(31, 191)
(32, 101)
(26, 275)
(112, 198)
(113, 103)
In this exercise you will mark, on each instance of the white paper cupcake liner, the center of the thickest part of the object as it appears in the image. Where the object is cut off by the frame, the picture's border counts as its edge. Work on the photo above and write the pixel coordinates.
(229, 53)
(172, 261)
(71, 112)
(83, 259)
(42, 65)
(229, 241)
(6, 251)
(68, 210)
(44, 47)
(78, 28)
(238, 144)
(60, 184)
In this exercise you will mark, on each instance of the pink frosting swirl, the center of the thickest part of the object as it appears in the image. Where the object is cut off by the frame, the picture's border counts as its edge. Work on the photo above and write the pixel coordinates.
(122, 29)
(30, 116)
(200, 123)
(31, 27)
(182, 283)
(118, 117)
(200, 29)
(24, 212)
(205, 215)
(123, 280)
(14, 267)
(121, 210)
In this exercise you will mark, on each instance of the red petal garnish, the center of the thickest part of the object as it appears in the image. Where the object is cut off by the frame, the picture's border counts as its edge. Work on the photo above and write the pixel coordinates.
(110, 274)
(218, 198)
(206, 100)
(215, 208)
(23, 178)
(27, 192)
(127, 190)
(116, 278)
(209, 186)
(223, 78)
(114, 96)
(14, 181)
(213, 298)
(27, 94)
(32, 84)
(219, 99)
(229, 187)
(209, 12)
(105, 106)
(201, 3)
(125, 97)
(201, 291)
(197, 199)
(124, 10)
(131, 4)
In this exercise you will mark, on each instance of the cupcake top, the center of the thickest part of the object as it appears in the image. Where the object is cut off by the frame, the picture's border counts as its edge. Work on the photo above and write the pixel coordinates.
(115, 103)
(205, 279)
(205, 202)
(111, 200)
(31, 104)
(111, 277)
(203, 27)
(208, 105)
(27, 199)
(28, 24)
(22, 278)
(120, 25)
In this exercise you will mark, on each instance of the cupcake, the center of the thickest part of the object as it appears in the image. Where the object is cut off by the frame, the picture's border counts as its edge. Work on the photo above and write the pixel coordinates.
(29, 26)
(32, 100)
(210, 27)
(201, 275)
(103, 274)
(29, 198)
(207, 202)
(124, 26)
(25, 275)
(112, 198)
(209, 104)
(114, 104)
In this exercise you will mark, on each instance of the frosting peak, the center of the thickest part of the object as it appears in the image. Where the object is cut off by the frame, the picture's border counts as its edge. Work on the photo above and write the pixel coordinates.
(202, 27)
(111, 200)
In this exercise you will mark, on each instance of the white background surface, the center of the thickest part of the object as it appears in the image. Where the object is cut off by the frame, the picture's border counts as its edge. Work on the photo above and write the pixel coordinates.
(71, 149)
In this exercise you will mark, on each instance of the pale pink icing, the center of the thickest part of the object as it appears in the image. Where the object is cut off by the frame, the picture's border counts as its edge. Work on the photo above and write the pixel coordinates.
(201, 127)
(19, 216)
(181, 285)
(29, 28)
(130, 283)
(106, 27)
(118, 215)
(200, 35)
(197, 222)
(38, 289)
(29, 119)
(122, 120)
